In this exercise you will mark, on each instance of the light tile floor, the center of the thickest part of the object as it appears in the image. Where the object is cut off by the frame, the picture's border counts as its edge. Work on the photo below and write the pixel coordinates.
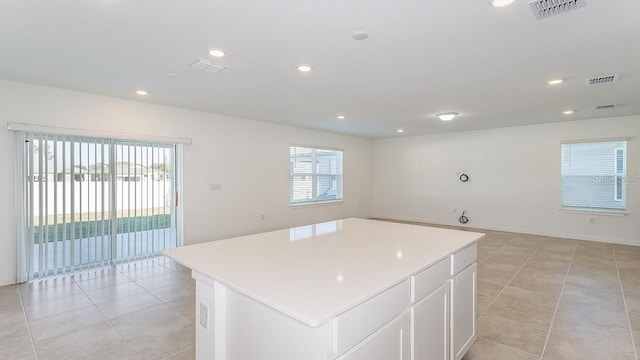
(538, 298)
(140, 310)
(550, 298)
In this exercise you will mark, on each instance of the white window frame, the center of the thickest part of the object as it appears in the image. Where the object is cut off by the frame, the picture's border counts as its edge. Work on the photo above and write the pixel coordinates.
(314, 175)
(619, 175)
(596, 210)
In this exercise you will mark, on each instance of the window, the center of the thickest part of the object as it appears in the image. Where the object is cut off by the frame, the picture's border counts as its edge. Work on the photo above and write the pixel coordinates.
(315, 175)
(594, 175)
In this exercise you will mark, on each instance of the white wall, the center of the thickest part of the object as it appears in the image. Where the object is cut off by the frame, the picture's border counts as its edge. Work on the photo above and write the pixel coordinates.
(249, 159)
(514, 179)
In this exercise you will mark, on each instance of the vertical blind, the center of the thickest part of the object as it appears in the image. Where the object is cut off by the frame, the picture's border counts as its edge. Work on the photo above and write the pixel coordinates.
(594, 174)
(315, 175)
(91, 201)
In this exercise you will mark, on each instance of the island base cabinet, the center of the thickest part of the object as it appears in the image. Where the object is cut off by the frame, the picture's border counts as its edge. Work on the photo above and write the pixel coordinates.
(391, 342)
(430, 326)
(254, 331)
(463, 311)
(232, 326)
(428, 315)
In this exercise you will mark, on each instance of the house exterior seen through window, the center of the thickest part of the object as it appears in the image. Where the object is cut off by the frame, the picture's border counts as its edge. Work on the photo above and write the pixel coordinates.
(594, 175)
(315, 175)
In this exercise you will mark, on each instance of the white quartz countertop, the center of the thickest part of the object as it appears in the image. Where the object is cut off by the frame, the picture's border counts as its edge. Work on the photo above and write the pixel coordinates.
(313, 273)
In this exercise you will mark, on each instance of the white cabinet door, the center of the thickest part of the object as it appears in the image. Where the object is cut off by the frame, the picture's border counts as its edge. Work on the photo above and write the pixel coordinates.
(391, 342)
(430, 326)
(463, 311)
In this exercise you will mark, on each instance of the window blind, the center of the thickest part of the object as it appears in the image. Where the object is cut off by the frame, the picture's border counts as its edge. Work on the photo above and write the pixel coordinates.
(594, 174)
(91, 201)
(315, 175)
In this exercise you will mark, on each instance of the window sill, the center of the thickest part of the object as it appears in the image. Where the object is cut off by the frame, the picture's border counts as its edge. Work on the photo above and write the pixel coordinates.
(606, 212)
(316, 203)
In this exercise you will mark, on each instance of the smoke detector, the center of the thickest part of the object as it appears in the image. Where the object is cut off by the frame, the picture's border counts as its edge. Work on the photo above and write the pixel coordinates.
(207, 66)
(543, 9)
(601, 80)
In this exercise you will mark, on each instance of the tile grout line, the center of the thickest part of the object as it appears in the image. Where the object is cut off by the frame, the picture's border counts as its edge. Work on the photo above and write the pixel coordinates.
(486, 259)
(507, 284)
(506, 346)
(555, 311)
(126, 343)
(93, 304)
(26, 319)
(513, 277)
(106, 319)
(624, 301)
(160, 300)
(177, 353)
(149, 291)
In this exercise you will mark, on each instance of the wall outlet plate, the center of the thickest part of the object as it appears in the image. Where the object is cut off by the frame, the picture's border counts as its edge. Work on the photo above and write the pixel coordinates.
(204, 315)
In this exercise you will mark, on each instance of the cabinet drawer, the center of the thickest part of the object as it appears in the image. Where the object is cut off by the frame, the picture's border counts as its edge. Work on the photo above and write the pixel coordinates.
(391, 342)
(429, 279)
(361, 321)
(464, 258)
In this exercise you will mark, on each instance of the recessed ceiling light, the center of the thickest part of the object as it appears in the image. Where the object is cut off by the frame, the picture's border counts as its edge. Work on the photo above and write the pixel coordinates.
(400, 131)
(216, 53)
(341, 117)
(555, 81)
(142, 92)
(568, 112)
(447, 116)
(304, 67)
(501, 3)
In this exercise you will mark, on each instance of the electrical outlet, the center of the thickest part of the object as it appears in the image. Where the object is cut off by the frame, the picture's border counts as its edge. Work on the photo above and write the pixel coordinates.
(262, 217)
(592, 220)
(204, 315)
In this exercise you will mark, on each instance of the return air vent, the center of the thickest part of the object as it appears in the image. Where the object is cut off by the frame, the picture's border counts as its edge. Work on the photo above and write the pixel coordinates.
(606, 106)
(543, 9)
(602, 80)
(207, 66)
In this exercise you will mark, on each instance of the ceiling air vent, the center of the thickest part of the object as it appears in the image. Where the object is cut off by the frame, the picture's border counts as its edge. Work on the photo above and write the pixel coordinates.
(207, 66)
(602, 80)
(606, 107)
(543, 9)
(214, 68)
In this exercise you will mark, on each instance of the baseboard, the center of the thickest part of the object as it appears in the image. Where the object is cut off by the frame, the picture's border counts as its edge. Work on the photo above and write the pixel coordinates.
(603, 239)
(7, 280)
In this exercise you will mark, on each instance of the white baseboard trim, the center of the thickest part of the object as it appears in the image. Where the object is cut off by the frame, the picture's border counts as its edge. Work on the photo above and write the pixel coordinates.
(603, 239)
(7, 280)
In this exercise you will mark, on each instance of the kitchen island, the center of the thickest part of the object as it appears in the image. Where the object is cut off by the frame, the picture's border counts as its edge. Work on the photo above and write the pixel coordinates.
(346, 289)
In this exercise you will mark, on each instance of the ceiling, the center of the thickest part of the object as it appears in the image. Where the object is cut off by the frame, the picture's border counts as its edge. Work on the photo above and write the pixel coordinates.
(422, 57)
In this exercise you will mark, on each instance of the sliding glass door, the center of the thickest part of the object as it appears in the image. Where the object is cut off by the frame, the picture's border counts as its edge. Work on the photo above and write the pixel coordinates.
(93, 201)
(144, 197)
